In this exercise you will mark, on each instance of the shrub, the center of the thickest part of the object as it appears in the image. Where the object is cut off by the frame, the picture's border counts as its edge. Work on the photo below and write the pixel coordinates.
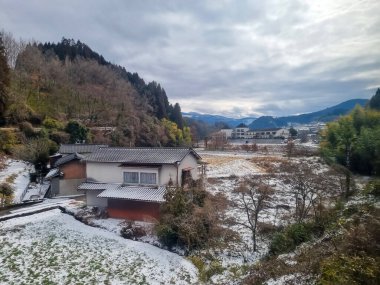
(290, 237)
(345, 269)
(27, 129)
(7, 141)
(59, 137)
(281, 243)
(50, 123)
(206, 271)
(132, 231)
(167, 234)
(189, 218)
(299, 233)
(6, 194)
(37, 152)
(373, 188)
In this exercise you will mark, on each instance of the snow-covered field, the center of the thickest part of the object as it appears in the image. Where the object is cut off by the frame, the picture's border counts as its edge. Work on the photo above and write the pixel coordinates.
(225, 170)
(54, 248)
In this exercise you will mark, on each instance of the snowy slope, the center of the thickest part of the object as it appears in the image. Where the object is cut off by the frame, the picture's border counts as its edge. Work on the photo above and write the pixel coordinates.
(20, 171)
(52, 247)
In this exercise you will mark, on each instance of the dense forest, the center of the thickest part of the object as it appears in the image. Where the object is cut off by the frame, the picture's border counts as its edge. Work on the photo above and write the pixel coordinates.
(55, 91)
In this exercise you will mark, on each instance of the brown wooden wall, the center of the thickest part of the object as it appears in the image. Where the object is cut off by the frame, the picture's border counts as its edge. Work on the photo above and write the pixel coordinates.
(133, 210)
(73, 170)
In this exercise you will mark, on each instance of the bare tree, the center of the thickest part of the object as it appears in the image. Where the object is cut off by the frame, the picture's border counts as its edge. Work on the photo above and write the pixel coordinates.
(310, 188)
(218, 141)
(346, 181)
(12, 47)
(290, 148)
(254, 197)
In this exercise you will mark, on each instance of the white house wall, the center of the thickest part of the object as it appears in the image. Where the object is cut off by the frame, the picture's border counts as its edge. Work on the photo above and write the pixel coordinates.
(113, 172)
(167, 172)
(189, 162)
(104, 172)
(170, 171)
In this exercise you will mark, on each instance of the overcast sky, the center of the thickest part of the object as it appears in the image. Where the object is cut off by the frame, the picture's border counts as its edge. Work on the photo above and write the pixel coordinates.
(235, 58)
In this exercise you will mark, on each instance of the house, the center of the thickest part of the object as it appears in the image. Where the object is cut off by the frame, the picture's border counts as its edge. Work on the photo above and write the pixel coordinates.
(131, 182)
(68, 169)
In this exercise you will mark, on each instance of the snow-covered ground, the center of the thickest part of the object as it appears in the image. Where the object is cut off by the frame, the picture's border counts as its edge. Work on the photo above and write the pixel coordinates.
(225, 170)
(54, 248)
(232, 166)
(16, 172)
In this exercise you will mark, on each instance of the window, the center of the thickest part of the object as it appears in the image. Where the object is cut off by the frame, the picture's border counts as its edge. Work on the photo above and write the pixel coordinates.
(148, 178)
(140, 178)
(131, 177)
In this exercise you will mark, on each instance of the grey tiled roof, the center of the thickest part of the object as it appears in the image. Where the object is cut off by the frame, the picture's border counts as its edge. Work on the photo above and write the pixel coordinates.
(119, 191)
(97, 186)
(68, 158)
(141, 155)
(149, 194)
(79, 148)
(52, 173)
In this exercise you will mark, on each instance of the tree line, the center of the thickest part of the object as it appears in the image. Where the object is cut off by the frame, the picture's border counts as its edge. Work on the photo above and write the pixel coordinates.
(354, 140)
(68, 81)
(69, 49)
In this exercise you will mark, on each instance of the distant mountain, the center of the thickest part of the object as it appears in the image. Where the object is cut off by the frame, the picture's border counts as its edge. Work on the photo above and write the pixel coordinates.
(326, 115)
(265, 122)
(212, 119)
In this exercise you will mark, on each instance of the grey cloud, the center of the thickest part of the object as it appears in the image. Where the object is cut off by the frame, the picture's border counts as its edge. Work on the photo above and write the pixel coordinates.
(270, 57)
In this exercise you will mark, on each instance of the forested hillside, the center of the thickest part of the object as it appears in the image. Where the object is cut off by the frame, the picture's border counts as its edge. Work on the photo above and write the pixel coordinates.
(53, 84)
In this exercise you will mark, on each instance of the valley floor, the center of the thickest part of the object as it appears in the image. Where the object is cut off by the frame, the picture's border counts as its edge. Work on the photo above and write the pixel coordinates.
(54, 248)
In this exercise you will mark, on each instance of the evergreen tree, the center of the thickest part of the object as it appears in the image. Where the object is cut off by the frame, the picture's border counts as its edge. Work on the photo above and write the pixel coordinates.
(176, 116)
(4, 81)
(78, 132)
(374, 102)
(293, 132)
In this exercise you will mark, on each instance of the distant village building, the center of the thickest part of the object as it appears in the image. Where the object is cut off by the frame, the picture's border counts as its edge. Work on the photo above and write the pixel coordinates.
(240, 132)
(268, 133)
(227, 133)
(243, 132)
